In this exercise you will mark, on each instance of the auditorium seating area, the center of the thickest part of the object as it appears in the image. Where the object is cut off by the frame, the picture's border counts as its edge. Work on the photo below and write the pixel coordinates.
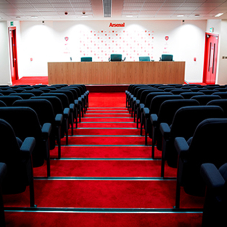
(111, 159)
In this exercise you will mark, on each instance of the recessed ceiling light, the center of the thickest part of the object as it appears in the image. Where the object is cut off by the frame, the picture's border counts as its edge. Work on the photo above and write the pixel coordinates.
(34, 17)
(180, 15)
(219, 14)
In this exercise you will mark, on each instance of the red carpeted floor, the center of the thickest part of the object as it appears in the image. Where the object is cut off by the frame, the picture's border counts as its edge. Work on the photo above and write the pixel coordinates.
(105, 169)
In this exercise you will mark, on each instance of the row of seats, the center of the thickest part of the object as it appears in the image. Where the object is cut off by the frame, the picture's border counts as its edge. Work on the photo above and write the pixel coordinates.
(30, 125)
(189, 128)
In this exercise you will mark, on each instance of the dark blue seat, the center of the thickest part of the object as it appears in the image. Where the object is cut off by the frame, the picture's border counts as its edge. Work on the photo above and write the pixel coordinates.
(165, 114)
(17, 155)
(25, 123)
(184, 124)
(204, 99)
(45, 112)
(207, 145)
(215, 206)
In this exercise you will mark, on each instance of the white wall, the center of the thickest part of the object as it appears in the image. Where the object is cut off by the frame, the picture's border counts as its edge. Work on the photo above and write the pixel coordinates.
(44, 43)
(5, 77)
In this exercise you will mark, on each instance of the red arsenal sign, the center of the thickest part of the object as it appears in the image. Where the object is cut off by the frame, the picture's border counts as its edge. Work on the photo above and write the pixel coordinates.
(66, 38)
(117, 25)
(166, 37)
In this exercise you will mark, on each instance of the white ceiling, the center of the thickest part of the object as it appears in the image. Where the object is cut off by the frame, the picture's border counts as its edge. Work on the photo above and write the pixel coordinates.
(24, 10)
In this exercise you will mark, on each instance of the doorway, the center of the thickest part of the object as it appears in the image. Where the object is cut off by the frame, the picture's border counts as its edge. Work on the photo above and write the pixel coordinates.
(13, 53)
(210, 58)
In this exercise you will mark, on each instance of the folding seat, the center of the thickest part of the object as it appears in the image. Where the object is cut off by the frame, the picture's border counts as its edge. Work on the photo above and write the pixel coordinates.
(153, 109)
(188, 95)
(178, 91)
(74, 99)
(220, 102)
(215, 206)
(207, 145)
(136, 101)
(18, 90)
(81, 99)
(212, 86)
(45, 112)
(140, 102)
(25, 123)
(145, 109)
(163, 87)
(169, 89)
(9, 100)
(204, 99)
(69, 103)
(165, 114)
(17, 155)
(127, 92)
(68, 108)
(184, 124)
(3, 170)
(23, 95)
(222, 94)
(58, 109)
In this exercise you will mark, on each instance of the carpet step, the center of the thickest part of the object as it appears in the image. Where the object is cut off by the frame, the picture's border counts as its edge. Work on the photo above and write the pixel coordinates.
(105, 168)
(103, 194)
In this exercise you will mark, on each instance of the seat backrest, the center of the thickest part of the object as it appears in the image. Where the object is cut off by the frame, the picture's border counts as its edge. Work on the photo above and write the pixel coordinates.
(222, 94)
(7, 92)
(188, 95)
(168, 108)
(116, 57)
(36, 92)
(167, 57)
(23, 95)
(64, 99)
(2, 104)
(10, 151)
(67, 92)
(204, 99)
(220, 102)
(208, 144)
(55, 101)
(144, 58)
(42, 107)
(9, 100)
(187, 118)
(86, 59)
(159, 99)
(151, 95)
(178, 91)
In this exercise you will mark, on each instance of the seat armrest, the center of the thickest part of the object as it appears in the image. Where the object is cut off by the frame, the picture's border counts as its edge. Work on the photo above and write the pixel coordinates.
(181, 146)
(72, 106)
(79, 99)
(137, 102)
(165, 130)
(46, 129)
(146, 112)
(58, 119)
(154, 119)
(28, 146)
(211, 176)
(66, 112)
(76, 102)
(3, 171)
(141, 106)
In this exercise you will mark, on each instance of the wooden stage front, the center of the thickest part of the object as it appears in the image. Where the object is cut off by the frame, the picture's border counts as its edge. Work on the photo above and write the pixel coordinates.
(163, 72)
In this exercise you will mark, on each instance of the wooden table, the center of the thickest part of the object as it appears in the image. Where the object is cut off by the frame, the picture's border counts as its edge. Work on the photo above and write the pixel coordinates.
(116, 72)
